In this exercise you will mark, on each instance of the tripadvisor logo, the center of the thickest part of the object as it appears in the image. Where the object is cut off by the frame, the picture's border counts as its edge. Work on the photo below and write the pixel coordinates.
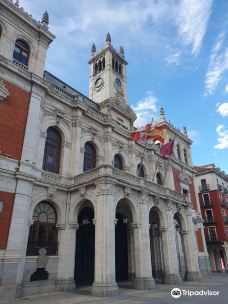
(176, 293)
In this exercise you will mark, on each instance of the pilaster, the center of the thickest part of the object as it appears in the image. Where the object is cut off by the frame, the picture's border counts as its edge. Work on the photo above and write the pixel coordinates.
(104, 279)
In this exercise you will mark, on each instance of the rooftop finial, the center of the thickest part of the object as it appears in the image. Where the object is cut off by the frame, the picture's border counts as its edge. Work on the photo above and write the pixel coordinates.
(17, 3)
(122, 51)
(162, 114)
(108, 38)
(45, 19)
(185, 131)
(93, 49)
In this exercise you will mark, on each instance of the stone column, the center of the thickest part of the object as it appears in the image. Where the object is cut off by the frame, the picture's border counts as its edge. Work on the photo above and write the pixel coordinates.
(172, 275)
(18, 237)
(143, 269)
(76, 143)
(104, 277)
(191, 254)
(66, 252)
(132, 162)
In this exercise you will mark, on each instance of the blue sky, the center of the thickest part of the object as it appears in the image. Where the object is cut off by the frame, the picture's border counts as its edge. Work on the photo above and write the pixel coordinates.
(177, 52)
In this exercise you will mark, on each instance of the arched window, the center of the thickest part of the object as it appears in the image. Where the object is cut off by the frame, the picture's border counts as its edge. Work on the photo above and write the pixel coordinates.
(185, 156)
(159, 178)
(95, 69)
(120, 69)
(116, 66)
(99, 66)
(89, 157)
(118, 162)
(43, 232)
(113, 63)
(103, 64)
(52, 152)
(21, 52)
(140, 170)
(178, 152)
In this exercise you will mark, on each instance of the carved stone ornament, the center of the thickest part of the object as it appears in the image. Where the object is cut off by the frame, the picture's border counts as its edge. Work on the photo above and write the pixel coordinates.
(82, 192)
(73, 225)
(136, 225)
(51, 192)
(105, 189)
(4, 93)
(183, 177)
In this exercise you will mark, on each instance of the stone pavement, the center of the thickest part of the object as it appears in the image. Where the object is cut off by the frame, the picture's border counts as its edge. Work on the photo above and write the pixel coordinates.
(160, 294)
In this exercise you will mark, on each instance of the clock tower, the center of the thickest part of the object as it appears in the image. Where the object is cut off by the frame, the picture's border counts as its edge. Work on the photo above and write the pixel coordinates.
(107, 73)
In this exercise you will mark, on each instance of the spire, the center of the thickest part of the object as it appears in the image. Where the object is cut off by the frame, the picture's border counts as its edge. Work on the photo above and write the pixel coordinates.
(108, 39)
(122, 51)
(17, 3)
(185, 131)
(93, 49)
(162, 114)
(45, 19)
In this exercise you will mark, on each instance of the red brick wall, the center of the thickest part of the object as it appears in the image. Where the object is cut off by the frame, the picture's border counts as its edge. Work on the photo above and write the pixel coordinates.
(5, 217)
(13, 117)
(177, 185)
(199, 240)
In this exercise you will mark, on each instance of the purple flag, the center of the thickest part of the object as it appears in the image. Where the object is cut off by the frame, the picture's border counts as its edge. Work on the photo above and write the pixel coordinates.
(167, 148)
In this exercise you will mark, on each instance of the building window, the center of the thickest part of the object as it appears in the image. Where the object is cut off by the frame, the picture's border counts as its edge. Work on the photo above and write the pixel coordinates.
(52, 152)
(185, 156)
(21, 52)
(206, 199)
(204, 184)
(89, 157)
(159, 178)
(212, 233)
(43, 232)
(140, 170)
(209, 217)
(178, 152)
(118, 162)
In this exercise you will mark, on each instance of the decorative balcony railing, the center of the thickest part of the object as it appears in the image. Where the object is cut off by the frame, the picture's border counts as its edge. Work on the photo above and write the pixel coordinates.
(203, 188)
(21, 65)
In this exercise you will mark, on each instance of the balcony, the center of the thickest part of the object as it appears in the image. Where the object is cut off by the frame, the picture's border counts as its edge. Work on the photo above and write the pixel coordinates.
(226, 219)
(208, 204)
(203, 188)
(225, 190)
(20, 64)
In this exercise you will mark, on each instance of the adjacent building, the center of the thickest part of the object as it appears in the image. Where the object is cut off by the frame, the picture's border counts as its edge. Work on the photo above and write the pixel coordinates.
(212, 184)
(80, 202)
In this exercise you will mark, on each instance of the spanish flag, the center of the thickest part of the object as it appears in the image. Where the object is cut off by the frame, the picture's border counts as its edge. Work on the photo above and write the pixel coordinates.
(158, 133)
(141, 133)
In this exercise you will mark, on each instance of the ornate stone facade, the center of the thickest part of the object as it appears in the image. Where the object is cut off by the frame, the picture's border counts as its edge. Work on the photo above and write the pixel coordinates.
(119, 210)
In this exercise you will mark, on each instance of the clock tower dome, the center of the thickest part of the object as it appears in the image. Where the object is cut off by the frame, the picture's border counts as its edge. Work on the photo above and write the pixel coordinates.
(107, 73)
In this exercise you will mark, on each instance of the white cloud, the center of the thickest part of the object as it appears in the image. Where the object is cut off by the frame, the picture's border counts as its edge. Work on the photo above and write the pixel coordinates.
(145, 109)
(226, 88)
(222, 137)
(173, 58)
(194, 135)
(218, 64)
(223, 109)
(192, 19)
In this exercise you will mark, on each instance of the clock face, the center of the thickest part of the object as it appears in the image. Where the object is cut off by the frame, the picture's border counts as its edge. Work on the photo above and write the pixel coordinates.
(98, 83)
(118, 84)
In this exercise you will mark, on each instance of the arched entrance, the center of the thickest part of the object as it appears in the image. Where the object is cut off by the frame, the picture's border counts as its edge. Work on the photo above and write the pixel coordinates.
(85, 247)
(180, 246)
(156, 248)
(123, 242)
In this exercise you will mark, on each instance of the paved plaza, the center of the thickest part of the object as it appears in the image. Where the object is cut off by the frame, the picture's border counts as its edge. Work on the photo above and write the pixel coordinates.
(160, 295)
